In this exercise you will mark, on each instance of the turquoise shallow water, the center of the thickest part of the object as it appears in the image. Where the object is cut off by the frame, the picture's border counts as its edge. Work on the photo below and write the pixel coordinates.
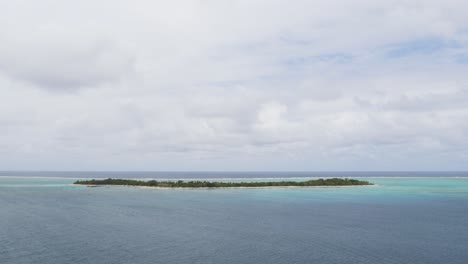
(401, 220)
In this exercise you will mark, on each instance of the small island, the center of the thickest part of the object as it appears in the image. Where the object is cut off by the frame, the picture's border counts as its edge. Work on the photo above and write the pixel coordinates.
(207, 184)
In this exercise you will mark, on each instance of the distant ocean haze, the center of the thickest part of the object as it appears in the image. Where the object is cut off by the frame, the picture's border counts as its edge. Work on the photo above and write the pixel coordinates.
(228, 175)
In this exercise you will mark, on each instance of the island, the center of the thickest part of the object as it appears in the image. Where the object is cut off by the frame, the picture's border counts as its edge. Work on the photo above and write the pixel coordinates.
(209, 184)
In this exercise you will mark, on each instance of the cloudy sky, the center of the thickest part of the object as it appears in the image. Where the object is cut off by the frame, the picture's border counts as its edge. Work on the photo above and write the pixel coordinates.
(234, 85)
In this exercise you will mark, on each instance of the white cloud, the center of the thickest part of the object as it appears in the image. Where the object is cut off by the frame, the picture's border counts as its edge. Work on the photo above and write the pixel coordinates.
(54, 58)
(301, 85)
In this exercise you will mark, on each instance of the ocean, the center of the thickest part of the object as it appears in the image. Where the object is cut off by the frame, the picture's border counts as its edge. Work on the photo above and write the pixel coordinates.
(408, 217)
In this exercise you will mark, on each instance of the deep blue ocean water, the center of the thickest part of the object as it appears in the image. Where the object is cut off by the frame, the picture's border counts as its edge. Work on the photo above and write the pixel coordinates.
(407, 218)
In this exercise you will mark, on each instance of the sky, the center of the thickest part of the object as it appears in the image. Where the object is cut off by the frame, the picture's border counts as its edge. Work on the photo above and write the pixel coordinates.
(234, 85)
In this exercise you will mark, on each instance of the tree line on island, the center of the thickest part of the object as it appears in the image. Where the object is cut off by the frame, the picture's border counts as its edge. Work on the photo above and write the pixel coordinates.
(208, 184)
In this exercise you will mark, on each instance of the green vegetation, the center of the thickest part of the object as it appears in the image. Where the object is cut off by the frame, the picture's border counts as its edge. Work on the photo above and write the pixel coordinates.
(207, 184)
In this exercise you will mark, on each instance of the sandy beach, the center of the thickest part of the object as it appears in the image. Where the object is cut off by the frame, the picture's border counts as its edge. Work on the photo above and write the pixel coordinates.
(214, 188)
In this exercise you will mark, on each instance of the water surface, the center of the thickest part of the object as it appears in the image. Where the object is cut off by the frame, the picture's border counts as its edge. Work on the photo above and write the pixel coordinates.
(402, 220)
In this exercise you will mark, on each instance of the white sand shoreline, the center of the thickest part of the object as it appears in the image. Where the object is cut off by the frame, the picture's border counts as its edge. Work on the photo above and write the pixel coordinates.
(214, 188)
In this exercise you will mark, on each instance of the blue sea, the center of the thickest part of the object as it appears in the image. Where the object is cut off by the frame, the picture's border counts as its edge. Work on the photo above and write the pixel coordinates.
(408, 217)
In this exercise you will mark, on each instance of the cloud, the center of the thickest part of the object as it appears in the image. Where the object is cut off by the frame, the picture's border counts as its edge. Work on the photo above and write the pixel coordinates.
(263, 85)
(53, 58)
